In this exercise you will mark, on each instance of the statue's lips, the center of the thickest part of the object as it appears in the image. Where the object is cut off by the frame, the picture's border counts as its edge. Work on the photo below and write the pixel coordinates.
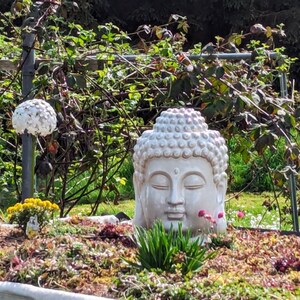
(175, 214)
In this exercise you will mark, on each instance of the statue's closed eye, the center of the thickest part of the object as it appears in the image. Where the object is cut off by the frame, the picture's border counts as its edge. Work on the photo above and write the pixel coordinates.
(160, 182)
(193, 182)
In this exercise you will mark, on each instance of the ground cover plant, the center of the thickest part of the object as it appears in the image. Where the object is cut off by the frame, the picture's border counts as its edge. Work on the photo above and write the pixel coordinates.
(87, 257)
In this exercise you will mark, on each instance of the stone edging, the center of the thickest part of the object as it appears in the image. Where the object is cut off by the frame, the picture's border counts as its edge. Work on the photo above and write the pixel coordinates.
(19, 291)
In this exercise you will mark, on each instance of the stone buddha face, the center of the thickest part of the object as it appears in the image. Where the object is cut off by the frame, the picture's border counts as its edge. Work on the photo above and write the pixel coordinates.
(178, 172)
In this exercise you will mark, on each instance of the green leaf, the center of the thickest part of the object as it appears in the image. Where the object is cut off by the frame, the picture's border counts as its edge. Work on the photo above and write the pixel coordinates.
(157, 249)
(220, 71)
(246, 156)
(80, 81)
(43, 68)
(268, 31)
(177, 87)
(236, 39)
(290, 120)
(263, 142)
(210, 71)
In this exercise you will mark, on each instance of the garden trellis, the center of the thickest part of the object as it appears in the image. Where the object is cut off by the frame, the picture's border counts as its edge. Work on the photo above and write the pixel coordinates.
(29, 65)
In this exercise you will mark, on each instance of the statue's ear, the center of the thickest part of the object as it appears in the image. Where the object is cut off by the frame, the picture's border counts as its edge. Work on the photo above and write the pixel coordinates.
(136, 186)
(221, 193)
(139, 218)
(221, 222)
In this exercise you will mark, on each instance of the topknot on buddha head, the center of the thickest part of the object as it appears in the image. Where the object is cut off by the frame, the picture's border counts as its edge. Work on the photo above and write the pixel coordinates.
(181, 132)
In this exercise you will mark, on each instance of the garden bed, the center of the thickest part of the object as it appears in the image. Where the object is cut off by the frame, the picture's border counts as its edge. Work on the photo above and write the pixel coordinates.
(86, 257)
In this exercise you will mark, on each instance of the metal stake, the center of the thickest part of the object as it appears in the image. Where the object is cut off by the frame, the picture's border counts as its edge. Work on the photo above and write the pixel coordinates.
(28, 141)
(292, 179)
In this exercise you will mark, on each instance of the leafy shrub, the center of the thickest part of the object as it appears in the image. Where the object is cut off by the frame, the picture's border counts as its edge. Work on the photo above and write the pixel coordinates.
(251, 172)
(20, 213)
(169, 251)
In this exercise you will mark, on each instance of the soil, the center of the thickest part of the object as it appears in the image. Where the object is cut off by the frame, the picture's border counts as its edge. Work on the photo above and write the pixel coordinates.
(10, 238)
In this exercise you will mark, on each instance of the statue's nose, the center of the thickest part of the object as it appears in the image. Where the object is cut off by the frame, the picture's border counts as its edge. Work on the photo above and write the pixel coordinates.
(175, 197)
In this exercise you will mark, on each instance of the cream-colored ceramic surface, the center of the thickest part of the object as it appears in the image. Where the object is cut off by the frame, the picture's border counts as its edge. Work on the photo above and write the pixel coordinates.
(18, 291)
(179, 170)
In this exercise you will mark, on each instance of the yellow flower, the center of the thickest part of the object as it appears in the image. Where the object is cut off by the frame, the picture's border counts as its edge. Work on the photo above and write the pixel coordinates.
(29, 200)
(42, 204)
(48, 204)
(39, 202)
(55, 206)
(18, 206)
(27, 205)
(10, 210)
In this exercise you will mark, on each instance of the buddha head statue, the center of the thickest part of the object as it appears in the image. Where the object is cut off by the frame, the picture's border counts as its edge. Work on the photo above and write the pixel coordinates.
(179, 171)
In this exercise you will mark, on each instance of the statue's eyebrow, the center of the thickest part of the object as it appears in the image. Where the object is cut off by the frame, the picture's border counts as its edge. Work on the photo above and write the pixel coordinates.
(159, 172)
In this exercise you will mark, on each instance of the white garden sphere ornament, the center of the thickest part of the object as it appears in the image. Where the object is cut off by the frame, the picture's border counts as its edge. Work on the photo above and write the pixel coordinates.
(36, 116)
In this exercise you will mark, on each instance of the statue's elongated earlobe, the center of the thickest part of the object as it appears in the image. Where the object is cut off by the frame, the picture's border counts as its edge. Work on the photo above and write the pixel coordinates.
(139, 217)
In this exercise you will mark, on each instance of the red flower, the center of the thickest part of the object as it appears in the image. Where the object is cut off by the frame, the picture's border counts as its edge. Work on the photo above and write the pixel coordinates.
(201, 213)
(240, 214)
(220, 215)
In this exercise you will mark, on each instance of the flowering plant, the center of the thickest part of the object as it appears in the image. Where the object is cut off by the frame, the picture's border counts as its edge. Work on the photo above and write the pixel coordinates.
(240, 214)
(215, 239)
(211, 222)
(21, 213)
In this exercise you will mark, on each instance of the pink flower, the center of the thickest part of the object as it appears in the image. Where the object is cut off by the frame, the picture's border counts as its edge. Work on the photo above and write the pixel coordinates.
(220, 215)
(201, 213)
(213, 221)
(208, 217)
(240, 214)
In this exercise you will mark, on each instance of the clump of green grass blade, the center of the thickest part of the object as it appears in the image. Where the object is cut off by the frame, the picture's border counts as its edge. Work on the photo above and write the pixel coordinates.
(172, 250)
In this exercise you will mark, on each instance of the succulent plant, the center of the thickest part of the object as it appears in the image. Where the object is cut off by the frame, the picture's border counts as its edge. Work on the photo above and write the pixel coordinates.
(36, 117)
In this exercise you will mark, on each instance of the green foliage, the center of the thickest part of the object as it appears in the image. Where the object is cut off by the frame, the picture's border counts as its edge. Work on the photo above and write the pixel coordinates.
(103, 105)
(143, 288)
(253, 172)
(169, 251)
